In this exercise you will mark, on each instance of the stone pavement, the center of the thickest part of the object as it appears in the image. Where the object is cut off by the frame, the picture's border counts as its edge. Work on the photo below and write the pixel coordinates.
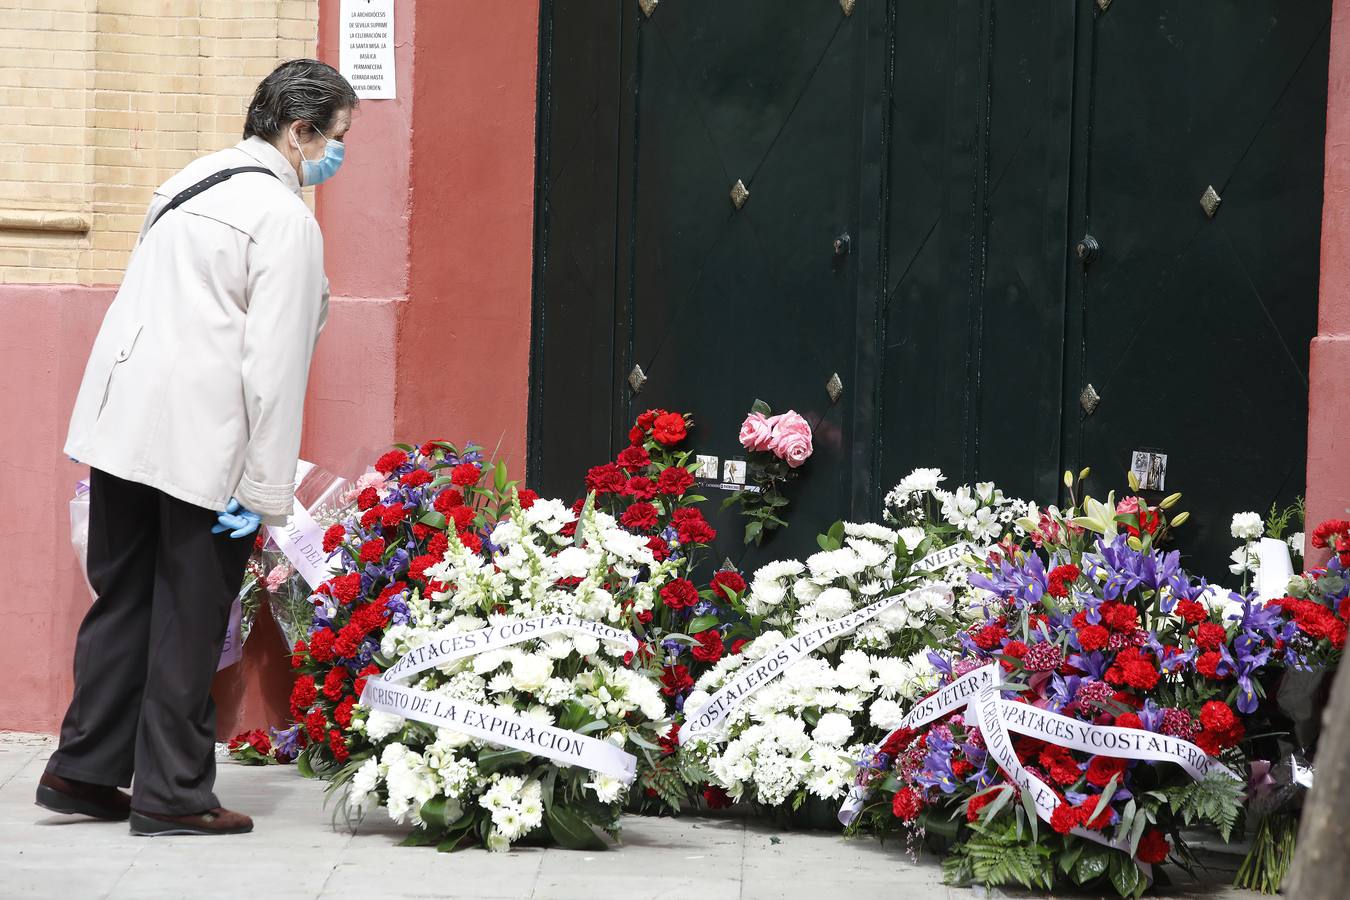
(297, 851)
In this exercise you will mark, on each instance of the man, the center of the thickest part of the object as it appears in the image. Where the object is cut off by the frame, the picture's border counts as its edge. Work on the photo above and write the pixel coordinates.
(189, 417)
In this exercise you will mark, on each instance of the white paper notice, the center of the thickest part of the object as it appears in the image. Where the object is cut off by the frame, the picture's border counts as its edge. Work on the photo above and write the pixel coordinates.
(367, 48)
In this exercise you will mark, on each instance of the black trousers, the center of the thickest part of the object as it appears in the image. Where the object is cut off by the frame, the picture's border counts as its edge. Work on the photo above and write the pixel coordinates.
(147, 651)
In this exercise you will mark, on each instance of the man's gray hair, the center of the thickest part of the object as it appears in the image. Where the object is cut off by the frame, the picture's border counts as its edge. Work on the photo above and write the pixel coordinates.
(302, 89)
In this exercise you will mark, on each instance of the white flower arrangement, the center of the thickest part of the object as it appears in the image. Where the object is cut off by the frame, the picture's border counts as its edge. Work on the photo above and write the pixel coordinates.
(456, 788)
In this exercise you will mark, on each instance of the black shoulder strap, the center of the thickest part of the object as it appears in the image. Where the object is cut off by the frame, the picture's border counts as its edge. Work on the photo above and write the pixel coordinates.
(205, 184)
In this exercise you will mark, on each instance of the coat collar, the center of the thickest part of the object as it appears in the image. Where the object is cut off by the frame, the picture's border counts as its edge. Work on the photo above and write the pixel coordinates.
(271, 157)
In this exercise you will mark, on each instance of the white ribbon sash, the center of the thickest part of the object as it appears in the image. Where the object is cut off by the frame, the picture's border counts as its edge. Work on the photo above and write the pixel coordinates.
(787, 654)
(997, 717)
(301, 539)
(503, 729)
(445, 646)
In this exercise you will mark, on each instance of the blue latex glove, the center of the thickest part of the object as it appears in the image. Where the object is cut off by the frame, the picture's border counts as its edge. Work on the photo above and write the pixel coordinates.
(239, 522)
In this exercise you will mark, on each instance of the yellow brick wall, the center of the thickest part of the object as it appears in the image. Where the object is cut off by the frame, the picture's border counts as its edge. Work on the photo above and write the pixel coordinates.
(104, 99)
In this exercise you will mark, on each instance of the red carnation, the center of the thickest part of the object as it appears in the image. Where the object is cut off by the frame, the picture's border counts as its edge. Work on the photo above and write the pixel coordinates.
(1190, 611)
(1061, 577)
(977, 803)
(1103, 818)
(431, 448)
(360, 684)
(333, 538)
(636, 435)
(738, 645)
(1059, 764)
(417, 569)
(1153, 847)
(526, 497)
(674, 481)
(989, 636)
(462, 517)
(298, 654)
(372, 551)
(346, 588)
(416, 478)
(641, 516)
(907, 805)
(727, 581)
(367, 498)
(1129, 720)
(675, 680)
(606, 479)
(472, 542)
(465, 474)
(447, 500)
(438, 544)
(1015, 649)
(332, 683)
(1209, 636)
(316, 725)
(303, 695)
(1216, 716)
(660, 549)
(716, 797)
(1133, 668)
(321, 645)
(1092, 637)
(709, 648)
(1120, 617)
(691, 527)
(338, 745)
(639, 487)
(1207, 664)
(1327, 530)
(386, 464)
(634, 459)
(645, 420)
(1101, 769)
(679, 594)
(370, 517)
(343, 714)
(391, 516)
(1066, 818)
(669, 428)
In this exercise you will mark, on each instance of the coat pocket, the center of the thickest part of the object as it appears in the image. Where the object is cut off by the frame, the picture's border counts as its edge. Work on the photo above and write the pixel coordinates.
(124, 350)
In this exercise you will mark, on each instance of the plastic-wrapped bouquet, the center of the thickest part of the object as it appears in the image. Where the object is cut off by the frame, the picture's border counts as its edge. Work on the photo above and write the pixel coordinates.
(514, 710)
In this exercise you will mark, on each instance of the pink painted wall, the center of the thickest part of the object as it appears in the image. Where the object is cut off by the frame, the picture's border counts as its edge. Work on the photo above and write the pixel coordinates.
(1329, 376)
(428, 240)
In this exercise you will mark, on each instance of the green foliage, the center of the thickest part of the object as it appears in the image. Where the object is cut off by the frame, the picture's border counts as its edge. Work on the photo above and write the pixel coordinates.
(1217, 800)
(665, 778)
(570, 830)
(1278, 521)
(996, 855)
(1185, 695)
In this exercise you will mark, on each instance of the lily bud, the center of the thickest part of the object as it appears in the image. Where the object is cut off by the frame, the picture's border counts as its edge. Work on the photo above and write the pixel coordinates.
(1133, 479)
(1068, 478)
(1135, 543)
(1170, 500)
(1181, 518)
(1087, 470)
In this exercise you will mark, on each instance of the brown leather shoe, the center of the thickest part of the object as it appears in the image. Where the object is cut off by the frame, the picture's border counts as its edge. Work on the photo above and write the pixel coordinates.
(212, 821)
(82, 798)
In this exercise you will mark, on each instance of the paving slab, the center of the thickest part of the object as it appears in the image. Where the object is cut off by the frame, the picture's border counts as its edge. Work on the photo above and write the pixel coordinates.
(302, 849)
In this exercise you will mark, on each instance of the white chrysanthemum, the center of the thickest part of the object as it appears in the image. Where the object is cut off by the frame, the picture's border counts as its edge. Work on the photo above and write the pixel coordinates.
(380, 725)
(886, 714)
(833, 729)
(920, 480)
(363, 784)
(872, 554)
(831, 564)
(912, 536)
(871, 531)
(1247, 526)
(529, 672)
(1245, 559)
(607, 789)
(1295, 542)
(833, 603)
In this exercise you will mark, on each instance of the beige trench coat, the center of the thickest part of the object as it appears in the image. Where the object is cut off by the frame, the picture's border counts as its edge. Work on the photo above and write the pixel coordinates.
(196, 382)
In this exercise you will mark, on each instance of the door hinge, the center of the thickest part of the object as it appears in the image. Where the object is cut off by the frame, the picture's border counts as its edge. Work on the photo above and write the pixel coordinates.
(636, 379)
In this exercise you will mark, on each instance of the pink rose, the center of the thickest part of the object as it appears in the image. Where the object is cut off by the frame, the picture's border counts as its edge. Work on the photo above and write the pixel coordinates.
(1127, 507)
(791, 441)
(757, 432)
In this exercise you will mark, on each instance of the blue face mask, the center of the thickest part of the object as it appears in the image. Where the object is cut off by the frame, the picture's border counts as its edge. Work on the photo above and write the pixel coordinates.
(317, 171)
